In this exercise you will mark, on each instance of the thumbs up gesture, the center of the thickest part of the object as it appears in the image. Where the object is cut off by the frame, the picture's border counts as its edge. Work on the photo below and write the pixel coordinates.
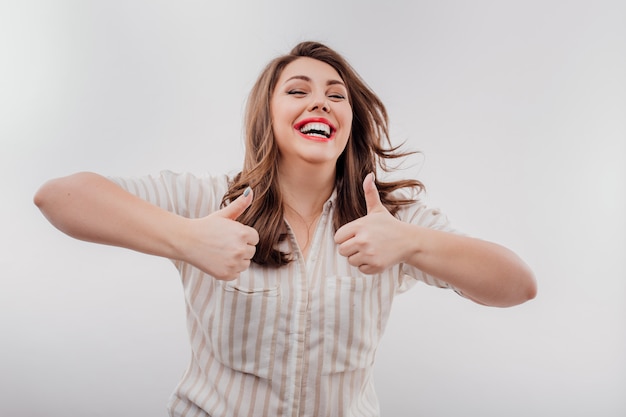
(221, 246)
(372, 243)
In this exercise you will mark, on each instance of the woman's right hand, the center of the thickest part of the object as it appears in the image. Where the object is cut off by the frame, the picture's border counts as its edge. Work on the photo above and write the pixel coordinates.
(218, 244)
(89, 207)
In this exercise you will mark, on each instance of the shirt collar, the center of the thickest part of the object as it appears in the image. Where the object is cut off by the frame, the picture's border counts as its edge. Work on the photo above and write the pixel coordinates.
(332, 200)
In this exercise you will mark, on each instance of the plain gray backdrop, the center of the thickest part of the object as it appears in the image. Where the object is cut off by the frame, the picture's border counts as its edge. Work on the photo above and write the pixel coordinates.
(518, 108)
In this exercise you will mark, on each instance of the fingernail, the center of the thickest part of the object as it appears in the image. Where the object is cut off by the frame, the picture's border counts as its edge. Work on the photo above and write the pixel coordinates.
(247, 191)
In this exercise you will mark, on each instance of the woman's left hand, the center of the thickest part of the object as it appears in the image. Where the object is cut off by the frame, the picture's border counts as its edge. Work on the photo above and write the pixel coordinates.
(482, 271)
(374, 242)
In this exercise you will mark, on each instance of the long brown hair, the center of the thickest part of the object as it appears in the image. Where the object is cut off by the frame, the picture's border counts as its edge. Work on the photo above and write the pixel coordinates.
(368, 147)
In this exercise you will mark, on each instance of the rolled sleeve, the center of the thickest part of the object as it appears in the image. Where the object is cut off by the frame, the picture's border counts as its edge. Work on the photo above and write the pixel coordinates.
(185, 194)
(433, 218)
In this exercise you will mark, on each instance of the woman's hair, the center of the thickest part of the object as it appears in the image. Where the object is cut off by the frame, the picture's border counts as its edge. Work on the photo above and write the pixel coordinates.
(368, 147)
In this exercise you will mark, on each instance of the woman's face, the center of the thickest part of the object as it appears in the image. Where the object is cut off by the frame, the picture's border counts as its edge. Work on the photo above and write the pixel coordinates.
(311, 113)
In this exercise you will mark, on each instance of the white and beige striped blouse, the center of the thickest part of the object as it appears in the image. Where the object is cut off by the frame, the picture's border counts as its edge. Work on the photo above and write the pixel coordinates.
(294, 341)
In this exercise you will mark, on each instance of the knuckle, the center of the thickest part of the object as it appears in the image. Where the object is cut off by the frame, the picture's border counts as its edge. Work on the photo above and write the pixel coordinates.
(236, 252)
(240, 233)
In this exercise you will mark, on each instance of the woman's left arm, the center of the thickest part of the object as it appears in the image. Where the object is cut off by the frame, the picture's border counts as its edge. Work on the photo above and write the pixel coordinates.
(482, 271)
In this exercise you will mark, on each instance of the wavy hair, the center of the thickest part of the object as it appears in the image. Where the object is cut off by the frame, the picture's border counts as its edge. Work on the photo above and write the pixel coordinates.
(368, 147)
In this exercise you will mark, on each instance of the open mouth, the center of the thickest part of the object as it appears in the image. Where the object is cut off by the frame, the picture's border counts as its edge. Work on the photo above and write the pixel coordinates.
(316, 129)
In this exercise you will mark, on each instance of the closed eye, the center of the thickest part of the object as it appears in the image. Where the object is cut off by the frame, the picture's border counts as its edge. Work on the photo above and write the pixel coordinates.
(296, 92)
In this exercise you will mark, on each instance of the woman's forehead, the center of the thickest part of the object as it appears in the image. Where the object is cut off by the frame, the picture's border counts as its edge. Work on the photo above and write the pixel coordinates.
(310, 69)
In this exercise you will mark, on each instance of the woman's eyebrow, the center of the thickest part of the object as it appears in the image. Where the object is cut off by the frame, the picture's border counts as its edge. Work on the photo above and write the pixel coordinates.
(308, 79)
(334, 82)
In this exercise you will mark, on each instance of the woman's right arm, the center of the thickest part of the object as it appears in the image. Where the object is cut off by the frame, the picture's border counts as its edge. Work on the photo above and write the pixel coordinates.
(89, 207)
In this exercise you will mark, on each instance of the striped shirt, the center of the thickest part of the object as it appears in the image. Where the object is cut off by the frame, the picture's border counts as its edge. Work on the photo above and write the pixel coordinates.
(299, 340)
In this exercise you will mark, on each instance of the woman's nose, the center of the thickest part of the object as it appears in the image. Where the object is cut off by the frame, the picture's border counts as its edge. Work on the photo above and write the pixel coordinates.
(320, 103)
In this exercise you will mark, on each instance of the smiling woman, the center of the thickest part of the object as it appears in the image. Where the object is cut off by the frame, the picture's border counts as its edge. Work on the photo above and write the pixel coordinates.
(310, 102)
(290, 267)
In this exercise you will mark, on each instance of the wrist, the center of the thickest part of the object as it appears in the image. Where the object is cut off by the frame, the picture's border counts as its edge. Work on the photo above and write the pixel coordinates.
(178, 237)
(412, 243)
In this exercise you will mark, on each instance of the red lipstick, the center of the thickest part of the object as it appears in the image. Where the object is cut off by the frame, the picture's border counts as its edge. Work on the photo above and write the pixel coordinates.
(316, 128)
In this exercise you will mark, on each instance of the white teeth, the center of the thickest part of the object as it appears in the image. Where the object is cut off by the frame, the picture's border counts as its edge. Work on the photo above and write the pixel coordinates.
(316, 129)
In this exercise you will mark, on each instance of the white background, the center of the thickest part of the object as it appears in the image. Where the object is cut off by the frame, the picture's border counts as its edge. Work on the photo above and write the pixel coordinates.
(518, 107)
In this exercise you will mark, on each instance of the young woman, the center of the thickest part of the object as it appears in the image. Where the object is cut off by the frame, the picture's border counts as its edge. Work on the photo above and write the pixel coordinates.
(289, 269)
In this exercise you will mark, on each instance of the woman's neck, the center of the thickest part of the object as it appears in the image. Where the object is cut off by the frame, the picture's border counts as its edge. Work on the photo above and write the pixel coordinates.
(306, 190)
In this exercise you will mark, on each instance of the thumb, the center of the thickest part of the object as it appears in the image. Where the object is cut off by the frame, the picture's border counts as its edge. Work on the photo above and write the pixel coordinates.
(237, 207)
(372, 198)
